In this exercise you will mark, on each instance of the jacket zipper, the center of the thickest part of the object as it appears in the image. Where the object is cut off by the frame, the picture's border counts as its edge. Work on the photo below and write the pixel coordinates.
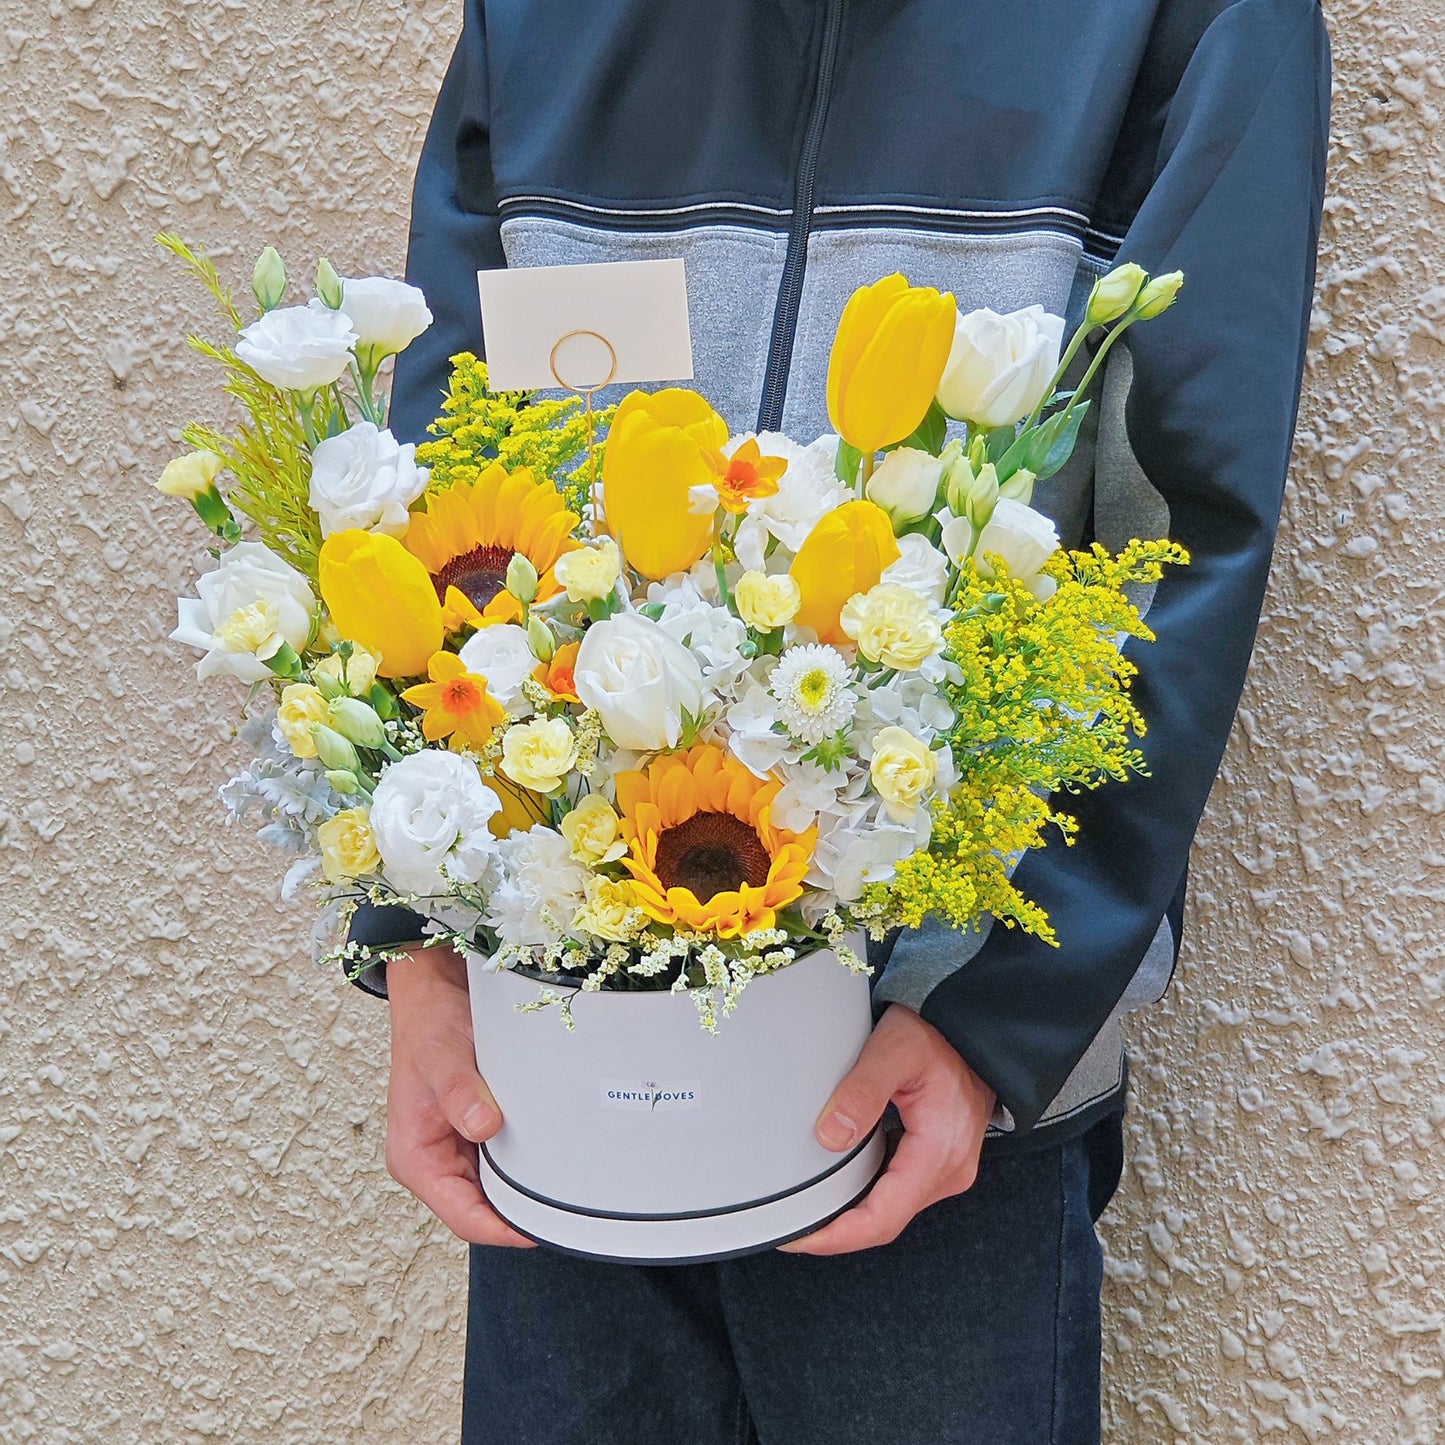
(795, 260)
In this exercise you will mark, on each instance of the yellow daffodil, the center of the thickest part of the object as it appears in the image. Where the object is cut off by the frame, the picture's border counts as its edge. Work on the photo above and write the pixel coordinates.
(657, 450)
(379, 595)
(888, 356)
(745, 475)
(703, 851)
(843, 555)
(456, 704)
(470, 533)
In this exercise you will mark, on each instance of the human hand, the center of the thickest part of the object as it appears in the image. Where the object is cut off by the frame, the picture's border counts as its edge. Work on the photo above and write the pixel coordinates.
(438, 1107)
(945, 1108)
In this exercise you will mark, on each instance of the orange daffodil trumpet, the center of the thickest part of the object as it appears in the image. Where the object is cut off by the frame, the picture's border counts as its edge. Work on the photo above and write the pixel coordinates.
(888, 356)
(704, 852)
(658, 449)
(736, 728)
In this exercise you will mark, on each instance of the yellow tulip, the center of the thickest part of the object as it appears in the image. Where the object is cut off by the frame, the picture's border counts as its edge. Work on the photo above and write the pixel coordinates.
(888, 357)
(381, 596)
(521, 807)
(843, 555)
(658, 448)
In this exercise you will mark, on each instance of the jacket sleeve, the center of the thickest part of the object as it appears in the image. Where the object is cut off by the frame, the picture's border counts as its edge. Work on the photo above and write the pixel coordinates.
(1220, 174)
(454, 233)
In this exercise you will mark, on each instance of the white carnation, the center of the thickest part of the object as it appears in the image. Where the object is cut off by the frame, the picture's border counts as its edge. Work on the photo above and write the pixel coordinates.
(542, 888)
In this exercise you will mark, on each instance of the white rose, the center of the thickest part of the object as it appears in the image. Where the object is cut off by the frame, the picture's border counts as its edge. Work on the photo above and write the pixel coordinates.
(1000, 366)
(388, 315)
(432, 808)
(299, 348)
(248, 606)
(921, 567)
(364, 478)
(905, 484)
(640, 681)
(502, 655)
(1024, 538)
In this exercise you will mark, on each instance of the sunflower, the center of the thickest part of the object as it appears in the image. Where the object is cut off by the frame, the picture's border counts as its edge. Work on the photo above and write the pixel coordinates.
(470, 532)
(703, 851)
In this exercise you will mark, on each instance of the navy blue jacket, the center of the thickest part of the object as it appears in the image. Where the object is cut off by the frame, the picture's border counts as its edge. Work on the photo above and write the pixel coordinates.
(790, 150)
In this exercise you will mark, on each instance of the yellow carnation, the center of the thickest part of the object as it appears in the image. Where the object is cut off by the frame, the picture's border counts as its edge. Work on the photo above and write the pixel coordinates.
(610, 912)
(348, 847)
(540, 754)
(590, 573)
(892, 625)
(903, 770)
(188, 476)
(301, 706)
(593, 831)
(360, 670)
(767, 603)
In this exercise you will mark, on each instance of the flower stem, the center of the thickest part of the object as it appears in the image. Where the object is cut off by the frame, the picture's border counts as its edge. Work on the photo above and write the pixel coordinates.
(865, 470)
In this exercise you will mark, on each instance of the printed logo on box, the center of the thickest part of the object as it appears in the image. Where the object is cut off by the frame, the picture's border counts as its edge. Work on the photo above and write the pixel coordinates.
(651, 1096)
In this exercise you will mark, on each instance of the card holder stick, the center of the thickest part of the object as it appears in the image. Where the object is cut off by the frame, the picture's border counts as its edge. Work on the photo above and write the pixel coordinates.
(586, 393)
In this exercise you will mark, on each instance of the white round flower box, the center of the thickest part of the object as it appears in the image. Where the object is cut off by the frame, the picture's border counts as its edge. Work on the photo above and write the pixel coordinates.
(639, 1137)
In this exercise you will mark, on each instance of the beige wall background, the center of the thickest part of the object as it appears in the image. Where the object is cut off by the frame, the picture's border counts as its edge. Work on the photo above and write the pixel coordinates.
(198, 1240)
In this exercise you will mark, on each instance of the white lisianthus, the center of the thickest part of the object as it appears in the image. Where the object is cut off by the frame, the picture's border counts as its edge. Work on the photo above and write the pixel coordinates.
(539, 754)
(248, 607)
(905, 484)
(298, 348)
(892, 625)
(956, 536)
(767, 603)
(501, 654)
(807, 491)
(432, 810)
(921, 567)
(365, 478)
(590, 573)
(542, 888)
(1000, 366)
(387, 315)
(1025, 539)
(640, 681)
(902, 771)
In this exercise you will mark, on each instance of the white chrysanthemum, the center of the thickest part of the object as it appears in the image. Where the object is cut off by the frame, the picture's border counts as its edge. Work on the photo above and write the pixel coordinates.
(810, 684)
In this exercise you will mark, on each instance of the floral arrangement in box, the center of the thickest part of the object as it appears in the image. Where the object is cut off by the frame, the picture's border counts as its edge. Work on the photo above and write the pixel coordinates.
(672, 709)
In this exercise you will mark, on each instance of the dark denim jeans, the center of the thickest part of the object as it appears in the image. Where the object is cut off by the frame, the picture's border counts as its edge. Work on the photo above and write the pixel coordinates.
(979, 1325)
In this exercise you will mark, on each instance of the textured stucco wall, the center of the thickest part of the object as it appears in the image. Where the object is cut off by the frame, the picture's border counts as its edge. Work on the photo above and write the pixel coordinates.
(197, 1238)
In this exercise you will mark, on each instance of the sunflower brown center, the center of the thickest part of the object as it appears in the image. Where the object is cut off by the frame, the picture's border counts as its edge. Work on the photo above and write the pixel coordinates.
(480, 573)
(711, 853)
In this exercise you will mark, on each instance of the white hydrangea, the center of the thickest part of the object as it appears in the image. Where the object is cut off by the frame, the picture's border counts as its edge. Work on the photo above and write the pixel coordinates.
(807, 491)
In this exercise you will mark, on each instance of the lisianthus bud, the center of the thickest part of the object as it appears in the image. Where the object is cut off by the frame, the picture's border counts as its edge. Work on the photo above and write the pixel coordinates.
(1114, 294)
(190, 475)
(1019, 487)
(356, 721)
(973, 493)
(522, 578)
(344, 782)
(268, 279)
(905, 484)
(1158, 296)
(328, 285)
(540, 639)
(335, 752)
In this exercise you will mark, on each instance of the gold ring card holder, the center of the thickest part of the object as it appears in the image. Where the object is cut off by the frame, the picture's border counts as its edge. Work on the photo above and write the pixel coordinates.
(586, 391)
